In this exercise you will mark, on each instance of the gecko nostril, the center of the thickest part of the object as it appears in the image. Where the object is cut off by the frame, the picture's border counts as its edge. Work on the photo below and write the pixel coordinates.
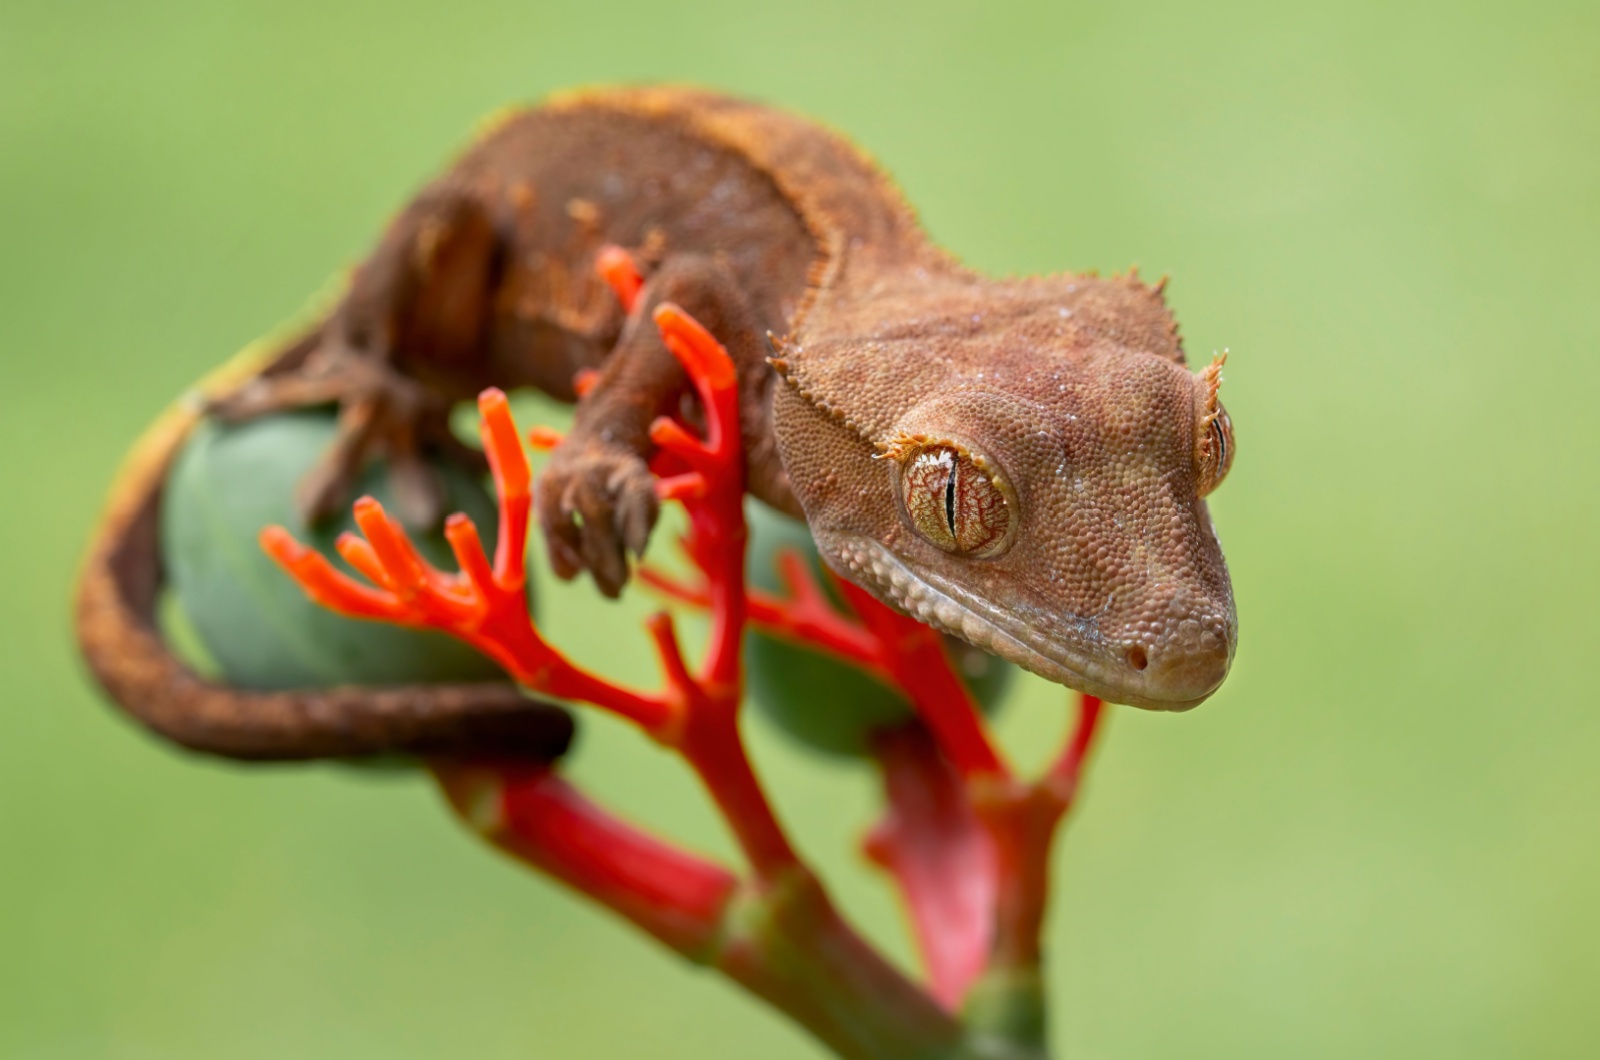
(1137, 658)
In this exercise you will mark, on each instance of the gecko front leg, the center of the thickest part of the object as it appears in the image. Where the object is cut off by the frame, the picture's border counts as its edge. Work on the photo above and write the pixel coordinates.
(596, 498)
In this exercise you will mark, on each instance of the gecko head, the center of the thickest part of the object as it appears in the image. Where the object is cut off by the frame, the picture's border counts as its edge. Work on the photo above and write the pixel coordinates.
(1053, 515)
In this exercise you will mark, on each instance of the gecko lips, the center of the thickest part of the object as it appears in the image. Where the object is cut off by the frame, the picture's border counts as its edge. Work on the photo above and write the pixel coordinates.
(1181, 673)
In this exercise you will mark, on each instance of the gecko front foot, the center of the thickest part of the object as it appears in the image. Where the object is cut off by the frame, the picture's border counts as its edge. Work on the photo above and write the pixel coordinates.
(596, 504)
(382, 414)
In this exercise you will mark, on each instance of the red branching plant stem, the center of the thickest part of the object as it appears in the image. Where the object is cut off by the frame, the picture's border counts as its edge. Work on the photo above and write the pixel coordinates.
(915, 658)
(1021, 819)
(539, 818)
(966, 841)
(804, 617)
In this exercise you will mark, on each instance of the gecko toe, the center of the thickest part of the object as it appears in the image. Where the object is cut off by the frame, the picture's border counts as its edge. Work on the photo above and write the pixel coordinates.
(560, 533)
(601, 547)
(634, 491)
(602, 552)
(325, 489)
(596, 508)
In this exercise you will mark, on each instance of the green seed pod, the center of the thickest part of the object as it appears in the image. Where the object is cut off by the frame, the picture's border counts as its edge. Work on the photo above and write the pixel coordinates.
(255, 624)
(819, 701)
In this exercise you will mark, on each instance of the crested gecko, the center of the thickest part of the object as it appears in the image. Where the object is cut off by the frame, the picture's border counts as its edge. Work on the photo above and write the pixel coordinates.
(1019, 462)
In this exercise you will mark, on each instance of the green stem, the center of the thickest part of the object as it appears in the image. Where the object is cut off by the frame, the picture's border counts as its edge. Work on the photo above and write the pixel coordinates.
(785, 942)
(1005, 1014)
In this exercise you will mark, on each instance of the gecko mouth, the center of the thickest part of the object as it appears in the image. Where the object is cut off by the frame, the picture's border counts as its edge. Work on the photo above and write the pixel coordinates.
(948, 608)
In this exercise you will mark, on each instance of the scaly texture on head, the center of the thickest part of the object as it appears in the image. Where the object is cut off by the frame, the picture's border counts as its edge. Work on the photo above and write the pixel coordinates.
(1023, 464)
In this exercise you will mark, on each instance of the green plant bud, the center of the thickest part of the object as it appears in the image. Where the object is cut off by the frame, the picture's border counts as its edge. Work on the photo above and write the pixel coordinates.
(254, 623)
(821, 702)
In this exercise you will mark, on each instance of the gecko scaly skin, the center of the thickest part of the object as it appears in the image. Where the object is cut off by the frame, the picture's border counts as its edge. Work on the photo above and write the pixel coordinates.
(1022, 462)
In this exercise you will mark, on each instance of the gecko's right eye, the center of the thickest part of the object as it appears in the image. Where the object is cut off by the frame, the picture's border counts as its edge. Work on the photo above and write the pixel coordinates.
(1213, 450)
(954, 502)
(1215, 454)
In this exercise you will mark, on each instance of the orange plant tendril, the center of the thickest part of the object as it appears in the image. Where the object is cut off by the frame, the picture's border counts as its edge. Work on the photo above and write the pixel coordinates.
(964, 840)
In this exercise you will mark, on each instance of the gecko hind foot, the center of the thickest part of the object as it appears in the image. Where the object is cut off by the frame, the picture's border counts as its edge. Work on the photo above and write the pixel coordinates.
(382, 414)
(596, 506)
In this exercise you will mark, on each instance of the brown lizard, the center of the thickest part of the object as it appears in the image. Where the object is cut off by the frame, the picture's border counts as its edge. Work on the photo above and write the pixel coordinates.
(1019, 462)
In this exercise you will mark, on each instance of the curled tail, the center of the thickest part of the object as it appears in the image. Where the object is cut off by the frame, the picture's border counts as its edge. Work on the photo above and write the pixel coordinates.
(115, 620)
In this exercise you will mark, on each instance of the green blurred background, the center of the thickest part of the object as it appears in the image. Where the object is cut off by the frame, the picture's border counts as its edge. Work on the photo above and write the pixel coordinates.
(1378, 840)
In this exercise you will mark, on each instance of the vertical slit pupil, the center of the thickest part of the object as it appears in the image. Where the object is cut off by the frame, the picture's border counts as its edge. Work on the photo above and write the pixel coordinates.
(950, 500)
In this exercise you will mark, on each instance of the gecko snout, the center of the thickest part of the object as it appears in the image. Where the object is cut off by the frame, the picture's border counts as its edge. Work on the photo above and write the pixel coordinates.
(1182, 667)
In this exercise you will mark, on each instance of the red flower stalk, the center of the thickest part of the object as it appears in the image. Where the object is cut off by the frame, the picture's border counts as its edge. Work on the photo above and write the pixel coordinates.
(965, 841)
(934, 847)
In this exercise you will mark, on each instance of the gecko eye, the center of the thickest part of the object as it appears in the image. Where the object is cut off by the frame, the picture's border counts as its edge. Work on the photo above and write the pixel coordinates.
(956, 503)
(1215, 454)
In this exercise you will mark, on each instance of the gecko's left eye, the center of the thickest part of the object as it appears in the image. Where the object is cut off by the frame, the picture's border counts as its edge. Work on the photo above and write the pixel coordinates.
(956, 502)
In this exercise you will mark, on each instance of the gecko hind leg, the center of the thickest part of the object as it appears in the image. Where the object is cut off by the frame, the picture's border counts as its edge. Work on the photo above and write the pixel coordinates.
(417, 308)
